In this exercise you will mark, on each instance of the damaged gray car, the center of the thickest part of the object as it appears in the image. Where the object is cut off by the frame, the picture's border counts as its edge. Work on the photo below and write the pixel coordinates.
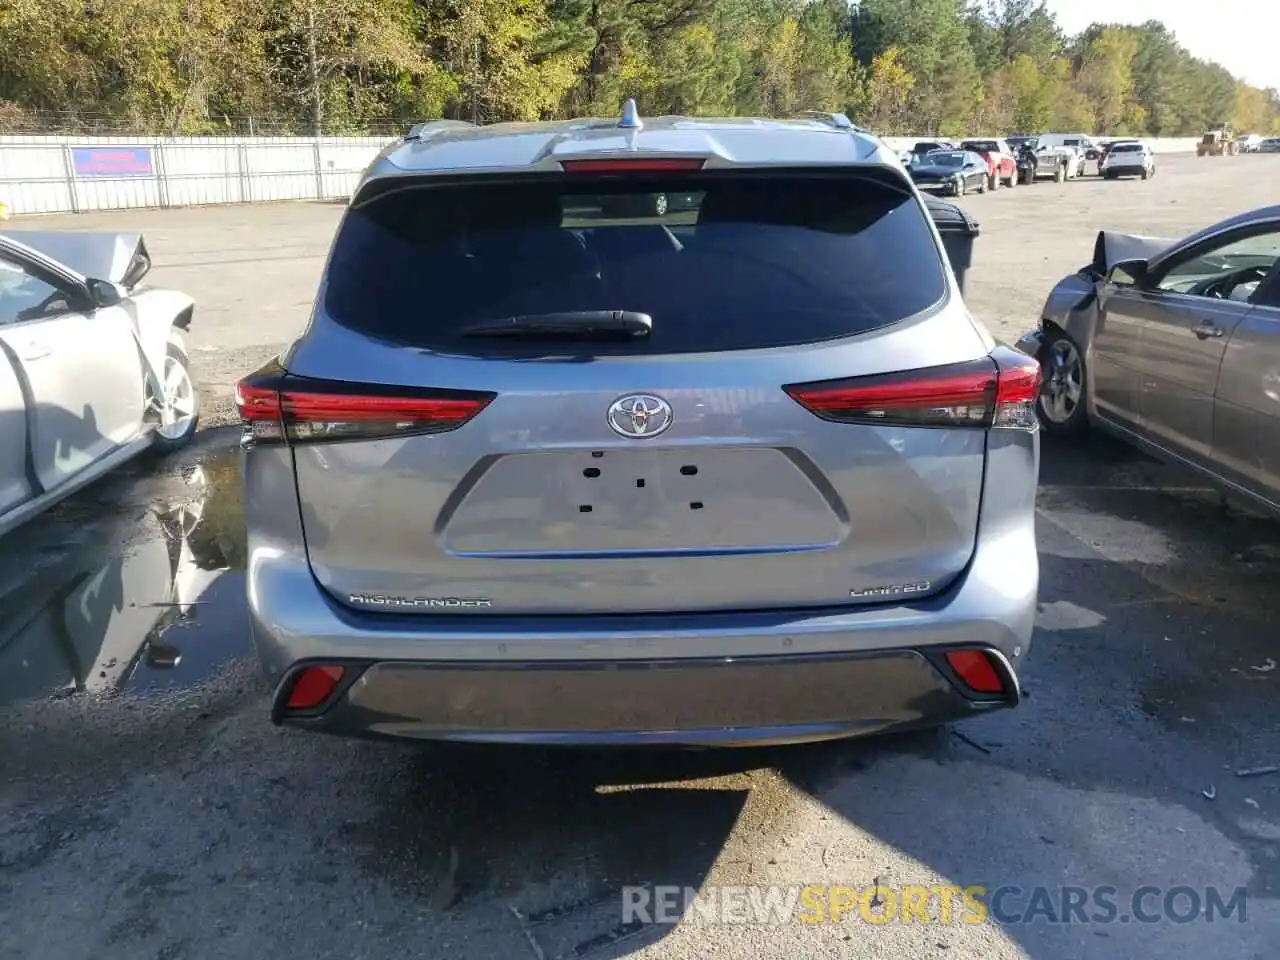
(93, 368)
(1174, 346)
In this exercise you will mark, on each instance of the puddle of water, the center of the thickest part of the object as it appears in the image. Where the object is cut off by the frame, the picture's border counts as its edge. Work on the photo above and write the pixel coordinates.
(111, 596)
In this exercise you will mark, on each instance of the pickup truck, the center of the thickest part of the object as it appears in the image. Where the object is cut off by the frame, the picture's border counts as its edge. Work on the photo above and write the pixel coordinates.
(1002, 165)
(1048, 164)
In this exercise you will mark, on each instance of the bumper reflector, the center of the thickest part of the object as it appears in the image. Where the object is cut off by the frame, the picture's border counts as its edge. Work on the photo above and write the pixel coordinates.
(313, 687)
(976, 671)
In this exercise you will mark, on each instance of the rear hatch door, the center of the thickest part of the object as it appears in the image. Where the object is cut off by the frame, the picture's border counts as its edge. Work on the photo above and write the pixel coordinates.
(563, 465)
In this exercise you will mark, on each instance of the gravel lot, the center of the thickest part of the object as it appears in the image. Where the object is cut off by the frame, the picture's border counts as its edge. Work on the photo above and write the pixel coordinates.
(154, 813)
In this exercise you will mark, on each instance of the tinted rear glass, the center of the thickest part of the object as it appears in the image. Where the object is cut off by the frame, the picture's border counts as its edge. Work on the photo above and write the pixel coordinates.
(724, 263)
(1126, 148)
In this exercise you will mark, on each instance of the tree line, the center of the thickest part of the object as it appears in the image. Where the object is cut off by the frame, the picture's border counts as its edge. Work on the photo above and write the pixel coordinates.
(945, 67)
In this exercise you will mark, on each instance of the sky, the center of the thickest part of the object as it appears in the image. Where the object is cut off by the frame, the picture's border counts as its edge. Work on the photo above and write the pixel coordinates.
(1239, 34)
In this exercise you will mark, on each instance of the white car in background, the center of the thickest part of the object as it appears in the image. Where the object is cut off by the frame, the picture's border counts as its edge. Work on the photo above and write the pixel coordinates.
(1249, 142)
(1128, 158)
(93, 368)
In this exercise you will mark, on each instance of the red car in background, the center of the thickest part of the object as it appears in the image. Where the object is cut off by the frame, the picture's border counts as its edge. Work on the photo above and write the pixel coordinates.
(1002, 164)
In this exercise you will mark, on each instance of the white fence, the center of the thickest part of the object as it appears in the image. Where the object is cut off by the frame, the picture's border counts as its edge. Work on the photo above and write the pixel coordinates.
(71, 175)
(65, 175)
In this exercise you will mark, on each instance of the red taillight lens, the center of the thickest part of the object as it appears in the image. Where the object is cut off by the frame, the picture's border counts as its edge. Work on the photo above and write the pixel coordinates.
(259, 408)
(1017, 390)
(975, 670)
(276, 406)
(996, 391)
(635, 165)
(959, 395)
(313, 686)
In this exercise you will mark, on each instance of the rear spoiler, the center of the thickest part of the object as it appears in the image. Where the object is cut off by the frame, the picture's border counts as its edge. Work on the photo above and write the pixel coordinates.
(1112, 248)
(119, 257)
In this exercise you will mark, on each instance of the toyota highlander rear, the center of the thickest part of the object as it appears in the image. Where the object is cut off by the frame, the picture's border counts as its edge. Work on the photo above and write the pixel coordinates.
(632, 447)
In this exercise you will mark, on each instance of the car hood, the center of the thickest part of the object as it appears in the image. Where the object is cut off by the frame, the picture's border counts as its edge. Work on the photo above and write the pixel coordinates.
(934, 173)
(1073, 302)
(1112, 248)
(119, 257)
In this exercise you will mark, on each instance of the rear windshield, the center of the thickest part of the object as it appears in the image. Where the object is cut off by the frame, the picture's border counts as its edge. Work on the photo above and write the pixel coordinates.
(726, 263)
(982, 146)
(1126, 148)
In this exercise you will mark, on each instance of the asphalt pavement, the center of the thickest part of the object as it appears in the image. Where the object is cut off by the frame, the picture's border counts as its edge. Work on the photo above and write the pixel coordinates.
(149, 810)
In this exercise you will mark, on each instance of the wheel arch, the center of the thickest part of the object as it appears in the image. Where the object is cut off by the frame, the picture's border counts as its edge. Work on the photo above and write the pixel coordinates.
(1053, 328)
(156, 314)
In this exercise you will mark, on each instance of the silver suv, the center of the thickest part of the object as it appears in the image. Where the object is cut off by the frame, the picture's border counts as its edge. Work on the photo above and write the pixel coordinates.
(670, 431)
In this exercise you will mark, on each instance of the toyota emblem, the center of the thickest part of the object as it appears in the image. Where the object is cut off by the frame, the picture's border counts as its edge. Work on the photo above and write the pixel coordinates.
(639, 415)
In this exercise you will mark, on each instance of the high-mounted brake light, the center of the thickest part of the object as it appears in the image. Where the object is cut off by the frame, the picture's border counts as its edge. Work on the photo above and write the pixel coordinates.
(635, 165)
(996, 391)
(276, 406)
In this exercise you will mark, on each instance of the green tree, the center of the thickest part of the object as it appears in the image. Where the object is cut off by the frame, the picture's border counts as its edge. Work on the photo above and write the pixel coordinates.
(806, 62)
(1105, 78)
(498, 60)
(887, 94)
(607, 32)
(1025, 28)
(321, 47)
(934, 40)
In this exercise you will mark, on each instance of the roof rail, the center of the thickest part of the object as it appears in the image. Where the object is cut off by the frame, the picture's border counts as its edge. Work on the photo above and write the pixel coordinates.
(837, 120)
(420, 130)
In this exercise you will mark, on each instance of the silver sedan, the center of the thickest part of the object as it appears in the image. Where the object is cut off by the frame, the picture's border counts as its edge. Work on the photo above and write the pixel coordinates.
(93, 368)
(1174, 346)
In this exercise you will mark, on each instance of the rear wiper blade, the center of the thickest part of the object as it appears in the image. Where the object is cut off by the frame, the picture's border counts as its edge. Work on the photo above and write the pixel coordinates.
(569, 325)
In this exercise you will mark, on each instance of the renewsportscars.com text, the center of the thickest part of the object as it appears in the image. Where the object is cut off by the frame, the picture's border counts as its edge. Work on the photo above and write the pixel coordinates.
(975, 904)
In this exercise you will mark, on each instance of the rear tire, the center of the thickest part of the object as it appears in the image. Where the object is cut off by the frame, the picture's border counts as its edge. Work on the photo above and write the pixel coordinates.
(993, 182)
(1061, 404)
(982, 185)
(1061, 175)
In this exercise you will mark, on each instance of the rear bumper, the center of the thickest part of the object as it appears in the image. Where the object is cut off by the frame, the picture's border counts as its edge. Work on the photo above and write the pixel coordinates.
(752, 676)
(721, 702)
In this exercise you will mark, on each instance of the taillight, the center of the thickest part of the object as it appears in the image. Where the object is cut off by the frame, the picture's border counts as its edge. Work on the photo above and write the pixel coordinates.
(634, 165)
(996, 391)
(1017, 389)
(277, 406)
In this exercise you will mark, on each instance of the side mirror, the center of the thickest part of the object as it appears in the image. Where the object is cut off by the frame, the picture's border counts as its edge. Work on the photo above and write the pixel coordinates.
(104, 293)
(1127, 273)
